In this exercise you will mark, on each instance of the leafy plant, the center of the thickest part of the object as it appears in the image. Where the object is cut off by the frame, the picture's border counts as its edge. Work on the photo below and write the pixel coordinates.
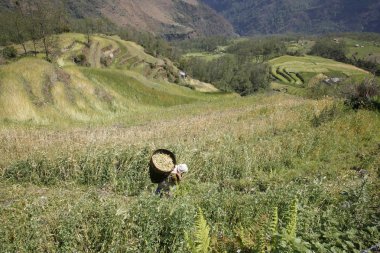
(199, 241)
(291, 227)
(9, 52)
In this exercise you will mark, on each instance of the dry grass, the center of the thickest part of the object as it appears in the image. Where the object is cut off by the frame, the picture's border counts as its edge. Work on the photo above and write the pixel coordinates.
(239, 118)
(246, 156)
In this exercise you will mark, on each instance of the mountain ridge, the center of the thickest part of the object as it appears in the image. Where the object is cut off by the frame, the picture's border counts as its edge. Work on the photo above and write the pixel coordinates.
(183, 19)
(172, 19)
(301, 16)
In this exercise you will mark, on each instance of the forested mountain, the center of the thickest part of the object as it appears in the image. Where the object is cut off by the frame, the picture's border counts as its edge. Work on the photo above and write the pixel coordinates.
(172, 19)
(307, 16)
(180, 19)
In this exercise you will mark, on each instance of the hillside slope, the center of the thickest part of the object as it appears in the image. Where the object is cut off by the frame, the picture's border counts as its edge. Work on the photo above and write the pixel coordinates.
(115, 79)
(172, 19)
(310, 16)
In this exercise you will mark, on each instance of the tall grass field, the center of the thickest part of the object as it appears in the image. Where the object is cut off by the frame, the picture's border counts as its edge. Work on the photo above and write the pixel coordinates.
(272, 172)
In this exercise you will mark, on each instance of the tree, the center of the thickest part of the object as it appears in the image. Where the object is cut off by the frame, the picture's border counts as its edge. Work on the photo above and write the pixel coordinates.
(13, 29)
(47, 19)
(20, 24)
(331, 49)
(90, 25)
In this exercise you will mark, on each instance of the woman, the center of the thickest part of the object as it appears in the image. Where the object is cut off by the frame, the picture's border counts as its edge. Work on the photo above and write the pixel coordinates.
(172, 180)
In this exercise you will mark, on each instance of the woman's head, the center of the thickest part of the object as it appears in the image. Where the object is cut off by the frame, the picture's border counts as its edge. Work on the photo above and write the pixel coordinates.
(182, 168)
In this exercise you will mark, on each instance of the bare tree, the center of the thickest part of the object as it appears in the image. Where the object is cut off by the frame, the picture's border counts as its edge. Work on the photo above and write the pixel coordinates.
(15, 26)
(45, 20)
(89, 27)
(31, 25)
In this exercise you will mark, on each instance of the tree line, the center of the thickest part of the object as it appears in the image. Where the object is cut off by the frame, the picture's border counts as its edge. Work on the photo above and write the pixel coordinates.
(229, 73)
(261, 49)
(205, 44)
(243, 68)
(337, 50)
(35, 21)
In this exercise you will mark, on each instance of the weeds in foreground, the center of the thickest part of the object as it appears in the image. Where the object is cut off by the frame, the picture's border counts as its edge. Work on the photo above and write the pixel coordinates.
(198, 241)
(245, 172)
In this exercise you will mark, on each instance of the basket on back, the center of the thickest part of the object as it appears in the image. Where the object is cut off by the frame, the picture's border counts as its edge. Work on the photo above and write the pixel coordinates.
(161, 164)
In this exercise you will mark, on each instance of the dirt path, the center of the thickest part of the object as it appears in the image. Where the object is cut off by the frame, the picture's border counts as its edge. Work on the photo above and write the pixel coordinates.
(95, 54)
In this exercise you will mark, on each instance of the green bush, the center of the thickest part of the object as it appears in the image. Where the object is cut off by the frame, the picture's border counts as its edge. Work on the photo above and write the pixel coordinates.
(10, 52)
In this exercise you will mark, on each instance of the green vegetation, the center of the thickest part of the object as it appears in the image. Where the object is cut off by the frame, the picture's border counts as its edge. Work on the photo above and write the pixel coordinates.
(364, 95)
(119, 78)
(38, 21)
(301, 69)
(328, 48)
(204, 44)
(272, 172)
(259, 49)
(9, 52)
(337, 49)
(93, 193)
(203, 55)
(363, 49)
(229, 73)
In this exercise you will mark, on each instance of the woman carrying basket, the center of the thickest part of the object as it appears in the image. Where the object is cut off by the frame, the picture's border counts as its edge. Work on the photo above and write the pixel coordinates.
(164, 187)
(164, 171)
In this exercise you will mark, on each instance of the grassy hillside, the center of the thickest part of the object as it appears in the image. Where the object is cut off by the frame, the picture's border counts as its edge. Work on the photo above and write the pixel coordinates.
(114, 79)
(87, 189)
(361, 49)
(272, 172)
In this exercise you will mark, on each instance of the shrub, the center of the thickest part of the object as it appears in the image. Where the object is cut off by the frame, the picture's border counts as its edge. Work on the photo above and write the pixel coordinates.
(363, 95)
(9, 52)
(80, 59)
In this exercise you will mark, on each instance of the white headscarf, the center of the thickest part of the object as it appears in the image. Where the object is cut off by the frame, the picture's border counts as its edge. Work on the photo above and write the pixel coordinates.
(181, 168)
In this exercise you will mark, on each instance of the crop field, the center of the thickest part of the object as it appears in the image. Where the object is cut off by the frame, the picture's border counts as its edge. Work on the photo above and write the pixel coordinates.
(87, 189)
(271, 172)
(315, 64)
(368, 50)
(204, 55)
(34, 91)
(298, 70)
(301, 46)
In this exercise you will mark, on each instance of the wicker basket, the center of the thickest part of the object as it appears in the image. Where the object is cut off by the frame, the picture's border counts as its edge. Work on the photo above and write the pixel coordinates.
(157, 175)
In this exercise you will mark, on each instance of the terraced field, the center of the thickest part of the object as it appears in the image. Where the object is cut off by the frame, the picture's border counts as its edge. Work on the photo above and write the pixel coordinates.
(115, 79)
(299, 69)
(204, 55)
(367, 50)
(301, 46)
(285, 76)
